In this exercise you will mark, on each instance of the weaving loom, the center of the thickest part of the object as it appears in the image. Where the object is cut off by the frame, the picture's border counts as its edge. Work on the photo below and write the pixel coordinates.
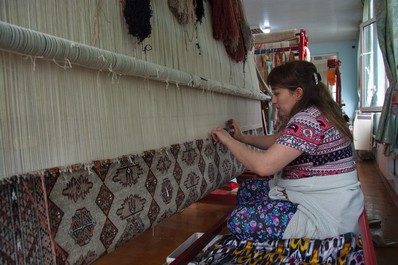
(104, 125)
(105, 134)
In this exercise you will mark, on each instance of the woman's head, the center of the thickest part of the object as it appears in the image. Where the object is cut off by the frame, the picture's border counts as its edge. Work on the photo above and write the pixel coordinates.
(302, 80)
(296, 86)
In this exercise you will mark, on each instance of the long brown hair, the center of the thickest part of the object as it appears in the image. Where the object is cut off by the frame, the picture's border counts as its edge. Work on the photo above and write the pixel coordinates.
(315, 93)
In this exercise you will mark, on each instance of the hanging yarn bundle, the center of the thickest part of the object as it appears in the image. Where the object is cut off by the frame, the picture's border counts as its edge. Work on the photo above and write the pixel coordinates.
(137, 14)
(245, 30)
(225, 16)
(200, 10)
(183, 10)
(227, 27)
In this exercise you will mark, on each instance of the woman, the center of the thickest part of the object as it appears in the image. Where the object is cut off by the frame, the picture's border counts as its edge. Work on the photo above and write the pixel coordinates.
(316, 193)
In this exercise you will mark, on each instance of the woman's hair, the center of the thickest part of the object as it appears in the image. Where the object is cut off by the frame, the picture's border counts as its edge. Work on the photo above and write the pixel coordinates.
(315, 93)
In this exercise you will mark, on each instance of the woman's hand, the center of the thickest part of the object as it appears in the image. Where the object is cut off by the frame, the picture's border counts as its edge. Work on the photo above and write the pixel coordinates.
(234, 129)
(221, 136)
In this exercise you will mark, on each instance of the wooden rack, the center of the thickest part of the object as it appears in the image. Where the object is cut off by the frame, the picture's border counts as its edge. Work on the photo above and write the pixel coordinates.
(299, 45)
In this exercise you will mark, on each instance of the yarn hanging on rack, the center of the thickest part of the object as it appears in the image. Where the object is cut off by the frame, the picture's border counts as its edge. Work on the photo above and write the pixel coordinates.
(237, 53)
(200, 10)
(247, 35)
(225, 15)
(227, 27)
(277, 59)
(183, 10)
(137, 14)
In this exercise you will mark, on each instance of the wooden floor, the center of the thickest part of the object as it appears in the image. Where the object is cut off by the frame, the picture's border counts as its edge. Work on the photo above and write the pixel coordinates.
(153, 246)
(381, 203)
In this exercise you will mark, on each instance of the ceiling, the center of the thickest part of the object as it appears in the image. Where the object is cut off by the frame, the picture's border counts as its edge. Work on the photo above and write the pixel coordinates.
(323, 20)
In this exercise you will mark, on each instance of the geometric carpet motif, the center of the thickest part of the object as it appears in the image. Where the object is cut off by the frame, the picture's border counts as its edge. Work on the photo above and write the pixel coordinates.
(95, 209)
(24, 229)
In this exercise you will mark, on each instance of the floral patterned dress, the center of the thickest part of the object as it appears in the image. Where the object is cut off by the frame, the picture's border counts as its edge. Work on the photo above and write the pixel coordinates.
(326, 152)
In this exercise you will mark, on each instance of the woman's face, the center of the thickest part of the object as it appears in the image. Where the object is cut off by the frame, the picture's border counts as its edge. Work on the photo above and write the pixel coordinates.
(284, 100)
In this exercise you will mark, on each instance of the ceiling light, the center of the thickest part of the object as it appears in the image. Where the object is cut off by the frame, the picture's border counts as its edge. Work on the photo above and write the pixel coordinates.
(265, 29)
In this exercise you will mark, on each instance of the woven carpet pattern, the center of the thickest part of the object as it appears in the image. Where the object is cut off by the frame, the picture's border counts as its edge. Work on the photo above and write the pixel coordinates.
(24, 233)
(95, 208)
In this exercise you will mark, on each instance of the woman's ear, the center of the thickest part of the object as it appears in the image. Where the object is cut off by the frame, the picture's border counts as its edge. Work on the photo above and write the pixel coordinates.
(299, 92)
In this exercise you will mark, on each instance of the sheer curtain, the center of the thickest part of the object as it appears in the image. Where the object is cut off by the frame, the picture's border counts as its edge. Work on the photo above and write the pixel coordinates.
(386, 13)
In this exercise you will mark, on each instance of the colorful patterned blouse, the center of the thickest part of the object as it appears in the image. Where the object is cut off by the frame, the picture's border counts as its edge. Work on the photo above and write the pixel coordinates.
(326, 150)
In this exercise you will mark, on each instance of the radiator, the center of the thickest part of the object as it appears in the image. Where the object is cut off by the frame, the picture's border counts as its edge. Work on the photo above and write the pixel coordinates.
(363, 130)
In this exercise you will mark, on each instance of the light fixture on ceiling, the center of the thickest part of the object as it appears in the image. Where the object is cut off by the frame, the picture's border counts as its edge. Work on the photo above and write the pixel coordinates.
(259, 29)
(265, 29)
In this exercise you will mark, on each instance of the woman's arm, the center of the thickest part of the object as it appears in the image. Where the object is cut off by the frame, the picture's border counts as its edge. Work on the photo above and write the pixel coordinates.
(262, 163)
(259, 141)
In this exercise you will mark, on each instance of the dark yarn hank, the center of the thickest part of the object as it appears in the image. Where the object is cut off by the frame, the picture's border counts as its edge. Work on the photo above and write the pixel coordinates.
(137, 14)
(197, 39)
(200, 10)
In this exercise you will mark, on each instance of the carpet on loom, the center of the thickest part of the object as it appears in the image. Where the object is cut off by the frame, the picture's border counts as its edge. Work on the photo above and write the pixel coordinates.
(97, 207)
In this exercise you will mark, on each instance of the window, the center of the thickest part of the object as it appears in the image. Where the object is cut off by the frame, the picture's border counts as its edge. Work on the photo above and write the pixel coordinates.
(321, 63)
(374, 81)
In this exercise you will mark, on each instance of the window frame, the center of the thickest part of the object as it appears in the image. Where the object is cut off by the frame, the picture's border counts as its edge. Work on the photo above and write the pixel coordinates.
(379, 71)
